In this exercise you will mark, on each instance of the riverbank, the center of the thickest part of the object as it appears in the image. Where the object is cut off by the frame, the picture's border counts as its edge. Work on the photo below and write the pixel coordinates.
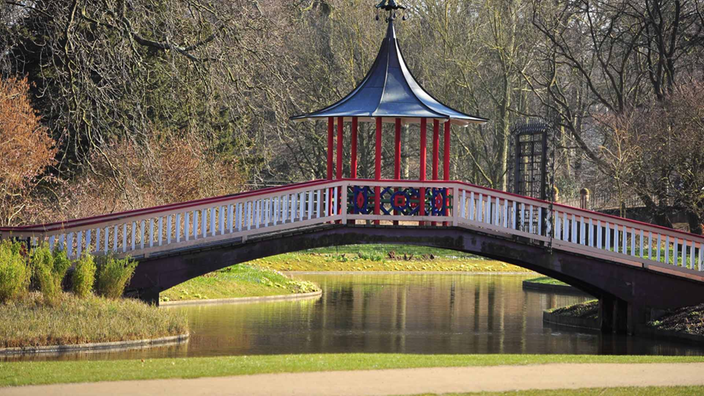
(28, 322)
(384, 258)
(546, 284)
(238, 281)
(62, 372)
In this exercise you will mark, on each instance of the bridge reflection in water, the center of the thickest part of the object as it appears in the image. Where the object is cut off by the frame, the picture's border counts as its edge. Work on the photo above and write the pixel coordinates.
(399, 313)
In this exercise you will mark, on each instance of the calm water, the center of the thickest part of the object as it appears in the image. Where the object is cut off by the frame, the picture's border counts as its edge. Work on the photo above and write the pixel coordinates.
(398, 313)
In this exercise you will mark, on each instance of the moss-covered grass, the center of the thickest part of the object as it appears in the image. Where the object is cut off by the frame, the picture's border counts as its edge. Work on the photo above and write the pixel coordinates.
(624, 391)
(585, 310)
(238, 281)
(384, 258)
(546, 280)
(53, 372)
(71, 320)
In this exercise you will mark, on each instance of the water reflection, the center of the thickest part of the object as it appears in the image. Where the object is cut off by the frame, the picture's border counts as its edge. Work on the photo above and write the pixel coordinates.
(398, 313)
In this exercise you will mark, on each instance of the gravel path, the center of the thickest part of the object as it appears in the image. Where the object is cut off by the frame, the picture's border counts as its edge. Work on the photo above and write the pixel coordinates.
(396, 382)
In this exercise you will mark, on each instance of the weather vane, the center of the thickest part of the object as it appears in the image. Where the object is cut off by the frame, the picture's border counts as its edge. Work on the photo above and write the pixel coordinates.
(391, 7)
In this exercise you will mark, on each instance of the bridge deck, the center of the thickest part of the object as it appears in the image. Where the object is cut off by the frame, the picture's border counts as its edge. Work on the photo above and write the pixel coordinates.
(188, 225)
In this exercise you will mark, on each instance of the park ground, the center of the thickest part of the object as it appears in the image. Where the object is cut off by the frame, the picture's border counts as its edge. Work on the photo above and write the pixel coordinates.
(365, 374)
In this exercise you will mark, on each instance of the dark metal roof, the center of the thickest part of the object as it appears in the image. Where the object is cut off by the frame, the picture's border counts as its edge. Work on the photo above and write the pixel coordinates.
(389, 90)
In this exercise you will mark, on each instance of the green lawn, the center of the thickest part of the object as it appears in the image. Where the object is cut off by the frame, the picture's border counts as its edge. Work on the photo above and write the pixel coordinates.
(32, 373)
(384, 258)
(241, 280)
(628, 391)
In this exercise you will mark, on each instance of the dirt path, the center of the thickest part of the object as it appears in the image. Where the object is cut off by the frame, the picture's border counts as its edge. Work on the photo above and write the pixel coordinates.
(397, 382)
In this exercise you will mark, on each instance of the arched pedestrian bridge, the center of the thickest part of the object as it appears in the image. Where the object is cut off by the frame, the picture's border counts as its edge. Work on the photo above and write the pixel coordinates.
(632, 267)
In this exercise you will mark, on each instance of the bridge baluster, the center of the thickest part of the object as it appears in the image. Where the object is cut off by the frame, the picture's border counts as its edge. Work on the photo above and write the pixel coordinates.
(51, 242)
(599, 234)
(667, 249)
(204, 222)
(701, 256)
(106, 243)
(301, 205)
(186, 226)
(151, 232)
(540, 221)
(582, 231)
(565, 228)
(178, 228)
(213, 230)
(496, 212)
(310, 203)
(97, 240)
(574, 229)
(319, 203)
(168, 229)
(230, 220)
(505, 213)
(650, 245)
(514, 217)
(487, 215)
(676, 255)
(691, 255)
(558, 223)
(530, 219)
(161, 229)
(61, 242)
(472, 216)
(684, 253)
(633, 242)
(608, 236)
(642, 255)
(69, 244)
(480, 208)
(79, 239)
(239, 216)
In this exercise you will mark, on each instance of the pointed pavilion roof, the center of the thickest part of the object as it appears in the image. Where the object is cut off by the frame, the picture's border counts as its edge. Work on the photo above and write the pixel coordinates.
(389, 90)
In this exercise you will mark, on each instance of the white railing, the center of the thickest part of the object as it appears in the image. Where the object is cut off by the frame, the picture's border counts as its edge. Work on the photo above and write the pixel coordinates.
(403, 202)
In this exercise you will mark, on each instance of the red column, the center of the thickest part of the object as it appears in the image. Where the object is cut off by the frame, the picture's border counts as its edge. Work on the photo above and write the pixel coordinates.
(446, 166)
(436, 148)
(331, 126)
(423, 154)
(436, 152)
(353, 162)
(340, 131)
(397, 150)
(446, 157)
(377, 169)
(397, 156)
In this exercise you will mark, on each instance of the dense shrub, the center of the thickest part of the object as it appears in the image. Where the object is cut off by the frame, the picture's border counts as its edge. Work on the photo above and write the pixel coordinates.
(49, 271)
(14, 271)
(83, 276)
(113, 275)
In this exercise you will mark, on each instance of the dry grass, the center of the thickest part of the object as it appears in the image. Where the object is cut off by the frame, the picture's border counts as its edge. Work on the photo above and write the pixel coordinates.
(28, 322)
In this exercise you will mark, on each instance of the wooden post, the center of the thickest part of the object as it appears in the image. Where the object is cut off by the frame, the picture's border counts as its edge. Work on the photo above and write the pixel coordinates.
(423, 155)
(340, 141)
(436, 152)
(446, 157)
(340, 136)
(331, 125)
(397, 156)
(436, 148)
(446, 166)
(353, 161)
(397, 150)
(377, 169)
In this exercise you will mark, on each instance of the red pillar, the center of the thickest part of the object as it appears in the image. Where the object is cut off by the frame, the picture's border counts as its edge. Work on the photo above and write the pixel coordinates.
(377, 169)
(446, 157)
(436, 152)
(436, 148)
(397, 150)
(397, 156)
(423, 154)
(331, 126)
(353, 162)
(340, 131)
(446, 166)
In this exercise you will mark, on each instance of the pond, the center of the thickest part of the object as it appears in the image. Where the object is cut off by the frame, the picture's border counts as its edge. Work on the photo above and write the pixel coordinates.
(398, 313)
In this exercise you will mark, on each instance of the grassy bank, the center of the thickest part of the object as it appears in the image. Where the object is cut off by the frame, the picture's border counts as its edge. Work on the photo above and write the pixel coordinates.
(384, 258)
(546, 280)
(584, 310)
(687, 320)
(238, 281)
(28, 321)
(54, 372)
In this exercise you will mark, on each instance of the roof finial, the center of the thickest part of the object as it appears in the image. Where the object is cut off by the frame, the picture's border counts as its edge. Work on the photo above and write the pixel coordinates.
(391, 6)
